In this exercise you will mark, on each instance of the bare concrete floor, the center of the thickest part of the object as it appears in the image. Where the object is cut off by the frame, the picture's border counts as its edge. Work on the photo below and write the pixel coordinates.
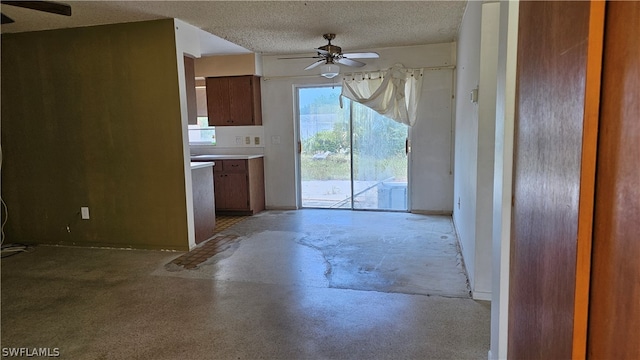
(308, 284)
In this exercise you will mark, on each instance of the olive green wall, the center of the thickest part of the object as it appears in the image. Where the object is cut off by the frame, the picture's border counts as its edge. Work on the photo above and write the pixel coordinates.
(91, 117)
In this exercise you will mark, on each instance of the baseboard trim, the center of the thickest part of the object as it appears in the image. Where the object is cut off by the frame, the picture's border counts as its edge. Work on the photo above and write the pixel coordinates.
(432, 212)
(481, 295)
(281, 208)
(111, 246)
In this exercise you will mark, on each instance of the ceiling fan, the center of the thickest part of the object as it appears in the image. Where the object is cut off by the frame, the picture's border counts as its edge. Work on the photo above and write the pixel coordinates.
(46, 6)
(330, 55)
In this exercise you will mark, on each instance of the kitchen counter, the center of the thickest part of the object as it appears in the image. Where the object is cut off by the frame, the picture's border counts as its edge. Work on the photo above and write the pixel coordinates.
(223, 157)
(201, 164)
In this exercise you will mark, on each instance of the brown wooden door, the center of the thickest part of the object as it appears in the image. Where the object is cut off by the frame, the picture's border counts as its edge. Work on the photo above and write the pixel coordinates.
(256, 100)
(240, 100)
(220, 190)
(231, 191)
(231, 185)
(218, 101)
(237, 191)
(552, 63)
(614, 317)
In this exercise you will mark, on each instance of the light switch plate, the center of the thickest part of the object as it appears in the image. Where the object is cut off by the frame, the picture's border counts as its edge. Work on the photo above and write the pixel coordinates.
(474, 96)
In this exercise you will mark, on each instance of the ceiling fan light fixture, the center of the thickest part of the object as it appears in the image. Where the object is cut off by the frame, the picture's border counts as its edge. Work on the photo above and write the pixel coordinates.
(329, 70)
(330, 54)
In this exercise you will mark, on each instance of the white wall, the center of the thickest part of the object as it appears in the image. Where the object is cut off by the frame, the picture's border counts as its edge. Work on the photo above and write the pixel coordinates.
(475, 132)
(505, 112)
(486, 147)
(432, 146)
(187, 43)
(431, 139)
(466, 134)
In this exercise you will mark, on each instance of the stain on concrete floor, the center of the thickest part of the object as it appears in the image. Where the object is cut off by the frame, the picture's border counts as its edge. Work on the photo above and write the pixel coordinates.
(278, 301)
(370, 251)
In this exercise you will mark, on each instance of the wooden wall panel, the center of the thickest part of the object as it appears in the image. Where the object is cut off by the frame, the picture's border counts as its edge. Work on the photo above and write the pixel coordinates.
(614, 318)
(190, 81)
(552, 53)
(91, 117)
(588, 178)
(204, 211)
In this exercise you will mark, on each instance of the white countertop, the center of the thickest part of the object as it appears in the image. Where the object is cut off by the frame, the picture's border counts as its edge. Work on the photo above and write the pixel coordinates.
(224, 157)
(200, 164)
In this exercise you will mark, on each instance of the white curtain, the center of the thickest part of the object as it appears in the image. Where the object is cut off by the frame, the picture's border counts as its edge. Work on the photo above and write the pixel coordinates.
(393, 93)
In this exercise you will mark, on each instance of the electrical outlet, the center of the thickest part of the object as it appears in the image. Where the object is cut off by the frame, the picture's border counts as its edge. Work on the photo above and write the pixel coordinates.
(256, 140)
(238, 140)
(247, 140)
(84, 212)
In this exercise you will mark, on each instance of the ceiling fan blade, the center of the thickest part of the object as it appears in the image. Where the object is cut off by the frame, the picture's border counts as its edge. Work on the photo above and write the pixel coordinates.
(365, 55)
(5, 19)
(317, 63)
(46, 6)
(323, 52)
(349, 62)
(302, 57)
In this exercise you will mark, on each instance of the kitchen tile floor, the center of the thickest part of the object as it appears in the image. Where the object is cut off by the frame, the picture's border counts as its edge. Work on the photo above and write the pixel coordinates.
(224, 222)
(216, 244)
(307, 284)
(203, 252)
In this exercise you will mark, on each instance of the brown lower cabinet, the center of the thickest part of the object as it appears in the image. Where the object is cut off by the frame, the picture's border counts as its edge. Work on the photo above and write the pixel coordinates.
(239, 186)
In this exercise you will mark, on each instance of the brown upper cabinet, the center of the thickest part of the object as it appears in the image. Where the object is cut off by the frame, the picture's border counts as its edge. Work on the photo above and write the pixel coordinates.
(234, 100)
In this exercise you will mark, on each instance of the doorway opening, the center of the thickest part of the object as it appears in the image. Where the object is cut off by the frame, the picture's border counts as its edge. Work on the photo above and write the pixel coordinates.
(350, 157)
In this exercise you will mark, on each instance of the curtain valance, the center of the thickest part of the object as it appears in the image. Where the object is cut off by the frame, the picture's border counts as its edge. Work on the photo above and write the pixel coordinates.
(394, 93)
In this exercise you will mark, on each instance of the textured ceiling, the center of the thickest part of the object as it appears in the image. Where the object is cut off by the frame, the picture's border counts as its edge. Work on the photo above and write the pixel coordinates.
(273, 27)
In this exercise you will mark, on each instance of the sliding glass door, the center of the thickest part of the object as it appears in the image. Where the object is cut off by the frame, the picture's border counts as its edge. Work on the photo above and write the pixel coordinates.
(351, 157)
(325, 157)
(379, 160)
